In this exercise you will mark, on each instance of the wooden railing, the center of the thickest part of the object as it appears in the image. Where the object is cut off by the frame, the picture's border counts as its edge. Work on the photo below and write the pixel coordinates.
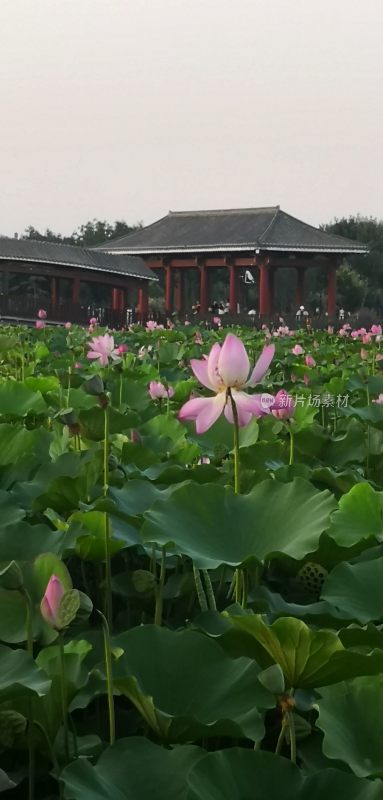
(20, 309)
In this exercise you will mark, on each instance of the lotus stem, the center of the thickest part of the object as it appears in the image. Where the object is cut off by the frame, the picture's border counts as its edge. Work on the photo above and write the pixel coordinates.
(31, 743)
(199, 589)
(109, 678)
(108, 566)
(291, 457)
(293, 743)
(159, 591)
(64, 701)
(209, 590)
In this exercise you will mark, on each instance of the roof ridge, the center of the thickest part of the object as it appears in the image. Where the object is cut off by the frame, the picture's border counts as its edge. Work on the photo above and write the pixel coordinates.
(270, 225)
(222, 211)
(324, 233)
(124, 236)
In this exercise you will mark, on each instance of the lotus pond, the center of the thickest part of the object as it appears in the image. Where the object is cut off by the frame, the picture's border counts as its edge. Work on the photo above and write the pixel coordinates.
(191, 564)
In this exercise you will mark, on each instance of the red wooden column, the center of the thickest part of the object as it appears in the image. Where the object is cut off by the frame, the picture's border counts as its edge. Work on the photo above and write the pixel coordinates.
(203, 289)
(300, 298)
(76, 291)
(143, 302)
(271, 288)
(168, 289)
(180, 291)
(54, 292)
(331, 291)
(264, 290)
(233, 286)
(115, 299)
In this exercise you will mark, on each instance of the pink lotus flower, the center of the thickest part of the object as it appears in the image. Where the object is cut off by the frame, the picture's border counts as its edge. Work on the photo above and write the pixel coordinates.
(121, 349)
(158, 391)
(297, 350)
(379, 400)
(151, 325)
(284, 406)
(77, 365)
(42, 314)
(217, 321)
(354, 334)
(50, 604)
(93, 321)
(39, 324)
(363, 354)
(102, 348)
(310, 361)
(376, 330)
(366, 338)
(68, 325)
(225, 372)
(306, 380)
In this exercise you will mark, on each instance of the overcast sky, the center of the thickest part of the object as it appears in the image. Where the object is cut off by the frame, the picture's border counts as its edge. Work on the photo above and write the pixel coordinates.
(124, 109)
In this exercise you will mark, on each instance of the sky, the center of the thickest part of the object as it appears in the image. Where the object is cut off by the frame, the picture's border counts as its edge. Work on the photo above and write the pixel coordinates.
(126, 109)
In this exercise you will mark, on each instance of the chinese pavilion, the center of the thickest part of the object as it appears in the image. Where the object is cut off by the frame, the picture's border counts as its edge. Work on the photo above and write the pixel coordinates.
(256, 239)
(65, 280)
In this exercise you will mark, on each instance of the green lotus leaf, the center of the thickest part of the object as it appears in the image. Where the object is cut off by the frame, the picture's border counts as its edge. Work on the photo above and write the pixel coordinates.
(169, 676)
(360, 516)
(346, 585)
(349, 716)
(213, 526)
(20, 675)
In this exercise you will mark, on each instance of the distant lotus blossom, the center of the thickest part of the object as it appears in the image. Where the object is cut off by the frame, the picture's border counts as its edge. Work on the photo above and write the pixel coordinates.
(68, 325)
(354, 334)
(102, 348)
(42, 314)
(187, 322)
(283, 330)
(310, 361)
(306, 379)
(217, 321)
(284, 406)
(121, 349)
(330, 328)
(151, 325)
(343, 331)
(77, 365)
(363, 354)
(93, 321)
(158, 391)
(39, 323)
(379, 357)
(379, 400)
(170, 324)
(225, 370)
(366, 338)
(198, 338)
(297, 350)
(376, 330)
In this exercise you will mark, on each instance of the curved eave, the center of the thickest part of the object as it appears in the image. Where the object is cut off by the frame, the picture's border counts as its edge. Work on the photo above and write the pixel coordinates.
(235, 248)
(89, 267)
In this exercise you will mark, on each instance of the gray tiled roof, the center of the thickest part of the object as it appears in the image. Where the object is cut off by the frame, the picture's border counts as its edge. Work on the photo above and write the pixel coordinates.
(233, 229)
(65, 255)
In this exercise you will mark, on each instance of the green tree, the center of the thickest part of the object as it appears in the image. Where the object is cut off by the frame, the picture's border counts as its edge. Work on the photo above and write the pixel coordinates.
(90, 234)
(351, 288)
(368, 230)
